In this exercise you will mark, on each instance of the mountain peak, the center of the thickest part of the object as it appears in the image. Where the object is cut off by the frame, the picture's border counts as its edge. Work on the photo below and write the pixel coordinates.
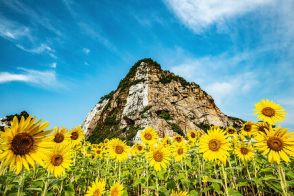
(150, 96)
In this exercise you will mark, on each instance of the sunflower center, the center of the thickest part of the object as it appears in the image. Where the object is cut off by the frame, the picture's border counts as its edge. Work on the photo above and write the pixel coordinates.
(193, 135)
(114, 192)
(56, 160)
(148, 136)
(275, 143)
(96, 192)
(22, 144)
(180, 151)
(231, 131)
(244, 150)
(139, 148)
(98, 152)
(178, 139)
(262, 128)
(74, 135)
(268, 111)
(247, 127)
(119, 149)
(214, 145)
(59, 137)
(158, 156)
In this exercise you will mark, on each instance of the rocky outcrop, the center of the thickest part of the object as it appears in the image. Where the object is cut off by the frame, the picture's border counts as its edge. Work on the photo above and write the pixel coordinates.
(5, 122)
(150, 96)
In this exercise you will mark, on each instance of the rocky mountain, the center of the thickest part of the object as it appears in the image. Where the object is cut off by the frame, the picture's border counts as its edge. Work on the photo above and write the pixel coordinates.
(150, 96)
(5, 122)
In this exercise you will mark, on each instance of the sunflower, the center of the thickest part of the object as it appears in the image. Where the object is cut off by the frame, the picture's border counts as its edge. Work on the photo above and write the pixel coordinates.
(277, 144)
(165, 141)
(178, 139)
(98, 152)
(231, 131)
(244, 152)
(269, 111)
(58, 160)
(24, 143)
(116, 189)
(247, 128)
(60, 135)
(149, 136)
(158, 157)
(76, 135)
(106, 141)
(180, 193)
(118, 150)
(180, 152)
(137, 149)
(214, 145)
(97, 188)
(192, 136)
(204, 179)
(260, 127)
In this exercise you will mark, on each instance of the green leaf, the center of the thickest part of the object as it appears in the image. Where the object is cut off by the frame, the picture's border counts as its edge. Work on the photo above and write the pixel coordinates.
(233, 192)
(216, 187)
(269, 177)
(215, 180)
(171, 185)
(243, 183)
(193, 193)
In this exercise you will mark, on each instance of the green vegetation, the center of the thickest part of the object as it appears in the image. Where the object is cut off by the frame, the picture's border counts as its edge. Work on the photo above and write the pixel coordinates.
(126, 82)
(177, 129)
(108, 96)
(164, 114)
(203, 126)
(168, 77)
(146, 108)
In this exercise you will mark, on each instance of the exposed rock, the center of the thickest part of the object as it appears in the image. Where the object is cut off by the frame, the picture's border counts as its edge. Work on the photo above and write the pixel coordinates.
(150, 96)
(5, 122)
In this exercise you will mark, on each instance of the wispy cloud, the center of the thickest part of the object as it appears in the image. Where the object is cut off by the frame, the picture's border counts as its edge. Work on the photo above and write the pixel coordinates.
(86, 50)
(53, 65)
(215, 74)
(12, 30)
(37, 18)
(36, 77)
(43, 48)
(201, 14)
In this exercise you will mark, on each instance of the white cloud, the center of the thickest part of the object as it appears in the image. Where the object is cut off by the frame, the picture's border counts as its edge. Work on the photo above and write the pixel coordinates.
(53, 65)
(13, 31)
(86, 50)
(201, 14)
(35, 77)
(216, 74)
(10, 77)
(35, 17)
(42, 48)
(238, 84)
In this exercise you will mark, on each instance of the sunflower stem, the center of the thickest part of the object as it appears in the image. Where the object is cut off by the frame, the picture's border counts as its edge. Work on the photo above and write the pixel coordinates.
(157, 187)
(250, 179)
(255, 175)
(225, 180)
(20, 187)
(119, 171)
(233, 174)
(282, 180)
(61, 187)
(46, 185)
(147, 178)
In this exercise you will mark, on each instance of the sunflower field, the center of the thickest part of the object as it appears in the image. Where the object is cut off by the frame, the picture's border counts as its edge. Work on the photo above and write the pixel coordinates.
(256, 159)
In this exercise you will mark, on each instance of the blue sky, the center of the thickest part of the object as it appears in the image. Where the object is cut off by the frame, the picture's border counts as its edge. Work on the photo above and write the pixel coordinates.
(57, 59)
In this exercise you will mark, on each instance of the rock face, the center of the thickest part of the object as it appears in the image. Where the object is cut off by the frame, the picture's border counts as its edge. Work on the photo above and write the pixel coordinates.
(5, 122)
(150, 96)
